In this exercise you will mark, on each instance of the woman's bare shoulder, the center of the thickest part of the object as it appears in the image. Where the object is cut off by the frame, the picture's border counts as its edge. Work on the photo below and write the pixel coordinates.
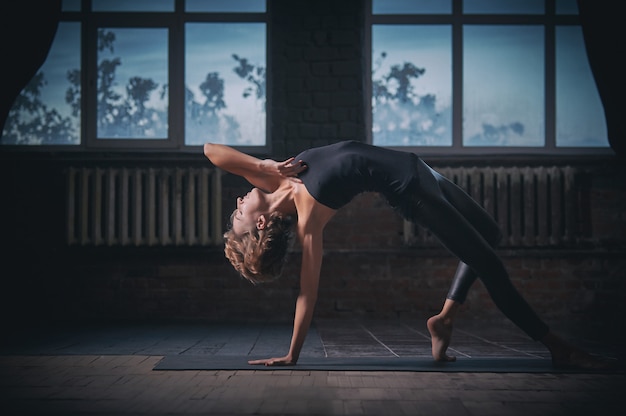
(311, 213)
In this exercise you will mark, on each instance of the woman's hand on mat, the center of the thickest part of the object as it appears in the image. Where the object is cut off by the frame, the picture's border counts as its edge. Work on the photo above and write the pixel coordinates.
(273, 361)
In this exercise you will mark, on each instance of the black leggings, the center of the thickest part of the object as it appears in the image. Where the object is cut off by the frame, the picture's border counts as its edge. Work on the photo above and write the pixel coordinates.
(471, 234)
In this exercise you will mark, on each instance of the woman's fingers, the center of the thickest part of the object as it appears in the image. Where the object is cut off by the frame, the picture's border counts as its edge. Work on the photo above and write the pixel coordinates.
(289, 168)
(271, 362)
(257, 362)
(288, 164)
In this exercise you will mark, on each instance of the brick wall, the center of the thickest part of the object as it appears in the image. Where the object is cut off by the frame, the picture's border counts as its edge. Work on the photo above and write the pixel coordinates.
(317, 61)
(367, 272)
(318, 65)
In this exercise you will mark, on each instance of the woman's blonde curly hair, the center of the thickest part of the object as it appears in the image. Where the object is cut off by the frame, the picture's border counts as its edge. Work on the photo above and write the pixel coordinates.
(259, 255)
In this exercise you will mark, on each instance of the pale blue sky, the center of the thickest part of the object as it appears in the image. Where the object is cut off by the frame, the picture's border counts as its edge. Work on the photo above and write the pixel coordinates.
(209, 48)
(144, 53)
(428, 47)
(404, 6)
(133, 5)
(503, 80)
(63, 56)
(580, 115)
(504, 6)
(239, 6)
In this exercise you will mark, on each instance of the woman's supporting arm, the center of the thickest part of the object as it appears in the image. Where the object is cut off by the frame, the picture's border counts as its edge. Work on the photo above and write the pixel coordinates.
(307, 298)
(305, 304)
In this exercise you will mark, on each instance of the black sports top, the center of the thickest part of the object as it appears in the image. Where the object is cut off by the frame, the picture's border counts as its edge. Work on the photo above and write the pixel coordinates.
(336, 173)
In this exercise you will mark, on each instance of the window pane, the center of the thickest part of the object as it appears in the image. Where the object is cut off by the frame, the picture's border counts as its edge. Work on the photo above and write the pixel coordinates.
(503, 86)
(233, 6)
(503, 6)
(411, 85)
(132, 5)
(47, 111)
(225, 80)
(579, 113)
(566, 7)
(132, 83)
(411, 6)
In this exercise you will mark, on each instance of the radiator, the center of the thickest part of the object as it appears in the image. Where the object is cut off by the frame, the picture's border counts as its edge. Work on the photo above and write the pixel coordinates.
(534, 206)
(148, 206)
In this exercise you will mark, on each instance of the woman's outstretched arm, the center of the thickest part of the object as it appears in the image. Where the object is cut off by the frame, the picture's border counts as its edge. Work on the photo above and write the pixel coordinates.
(265, 174)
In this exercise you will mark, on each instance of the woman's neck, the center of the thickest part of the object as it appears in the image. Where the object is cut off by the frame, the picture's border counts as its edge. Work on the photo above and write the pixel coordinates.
(282, 199)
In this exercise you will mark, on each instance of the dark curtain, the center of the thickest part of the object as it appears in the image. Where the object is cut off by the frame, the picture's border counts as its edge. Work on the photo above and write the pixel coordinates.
(27, 28)
(603, 30)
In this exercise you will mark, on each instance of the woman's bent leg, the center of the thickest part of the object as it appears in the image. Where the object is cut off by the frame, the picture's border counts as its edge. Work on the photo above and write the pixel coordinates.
(463, 279)
(458, 235)
(480, 220)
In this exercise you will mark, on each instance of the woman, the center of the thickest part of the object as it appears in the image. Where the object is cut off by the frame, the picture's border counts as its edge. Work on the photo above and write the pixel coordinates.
(303, 193)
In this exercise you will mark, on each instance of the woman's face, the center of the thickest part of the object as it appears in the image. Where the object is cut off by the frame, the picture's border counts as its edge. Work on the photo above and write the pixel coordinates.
(250, 212)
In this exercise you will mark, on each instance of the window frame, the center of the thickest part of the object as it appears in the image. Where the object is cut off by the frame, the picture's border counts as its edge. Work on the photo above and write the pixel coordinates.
(549, 20)
(175, 21)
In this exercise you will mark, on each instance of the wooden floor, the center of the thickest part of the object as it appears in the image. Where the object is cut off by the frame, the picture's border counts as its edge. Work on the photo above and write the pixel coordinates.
(109, 370)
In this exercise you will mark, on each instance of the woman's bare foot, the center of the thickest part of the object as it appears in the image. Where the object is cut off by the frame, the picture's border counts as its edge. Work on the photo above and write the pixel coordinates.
(580, 360)
(440, 332)
(568, 357)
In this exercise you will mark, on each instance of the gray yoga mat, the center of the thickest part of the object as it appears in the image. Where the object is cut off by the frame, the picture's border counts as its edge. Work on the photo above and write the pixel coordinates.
(414, 364)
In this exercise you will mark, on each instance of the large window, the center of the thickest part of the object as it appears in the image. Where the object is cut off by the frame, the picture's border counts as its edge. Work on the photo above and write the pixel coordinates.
(482, 76)
(148, 74)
